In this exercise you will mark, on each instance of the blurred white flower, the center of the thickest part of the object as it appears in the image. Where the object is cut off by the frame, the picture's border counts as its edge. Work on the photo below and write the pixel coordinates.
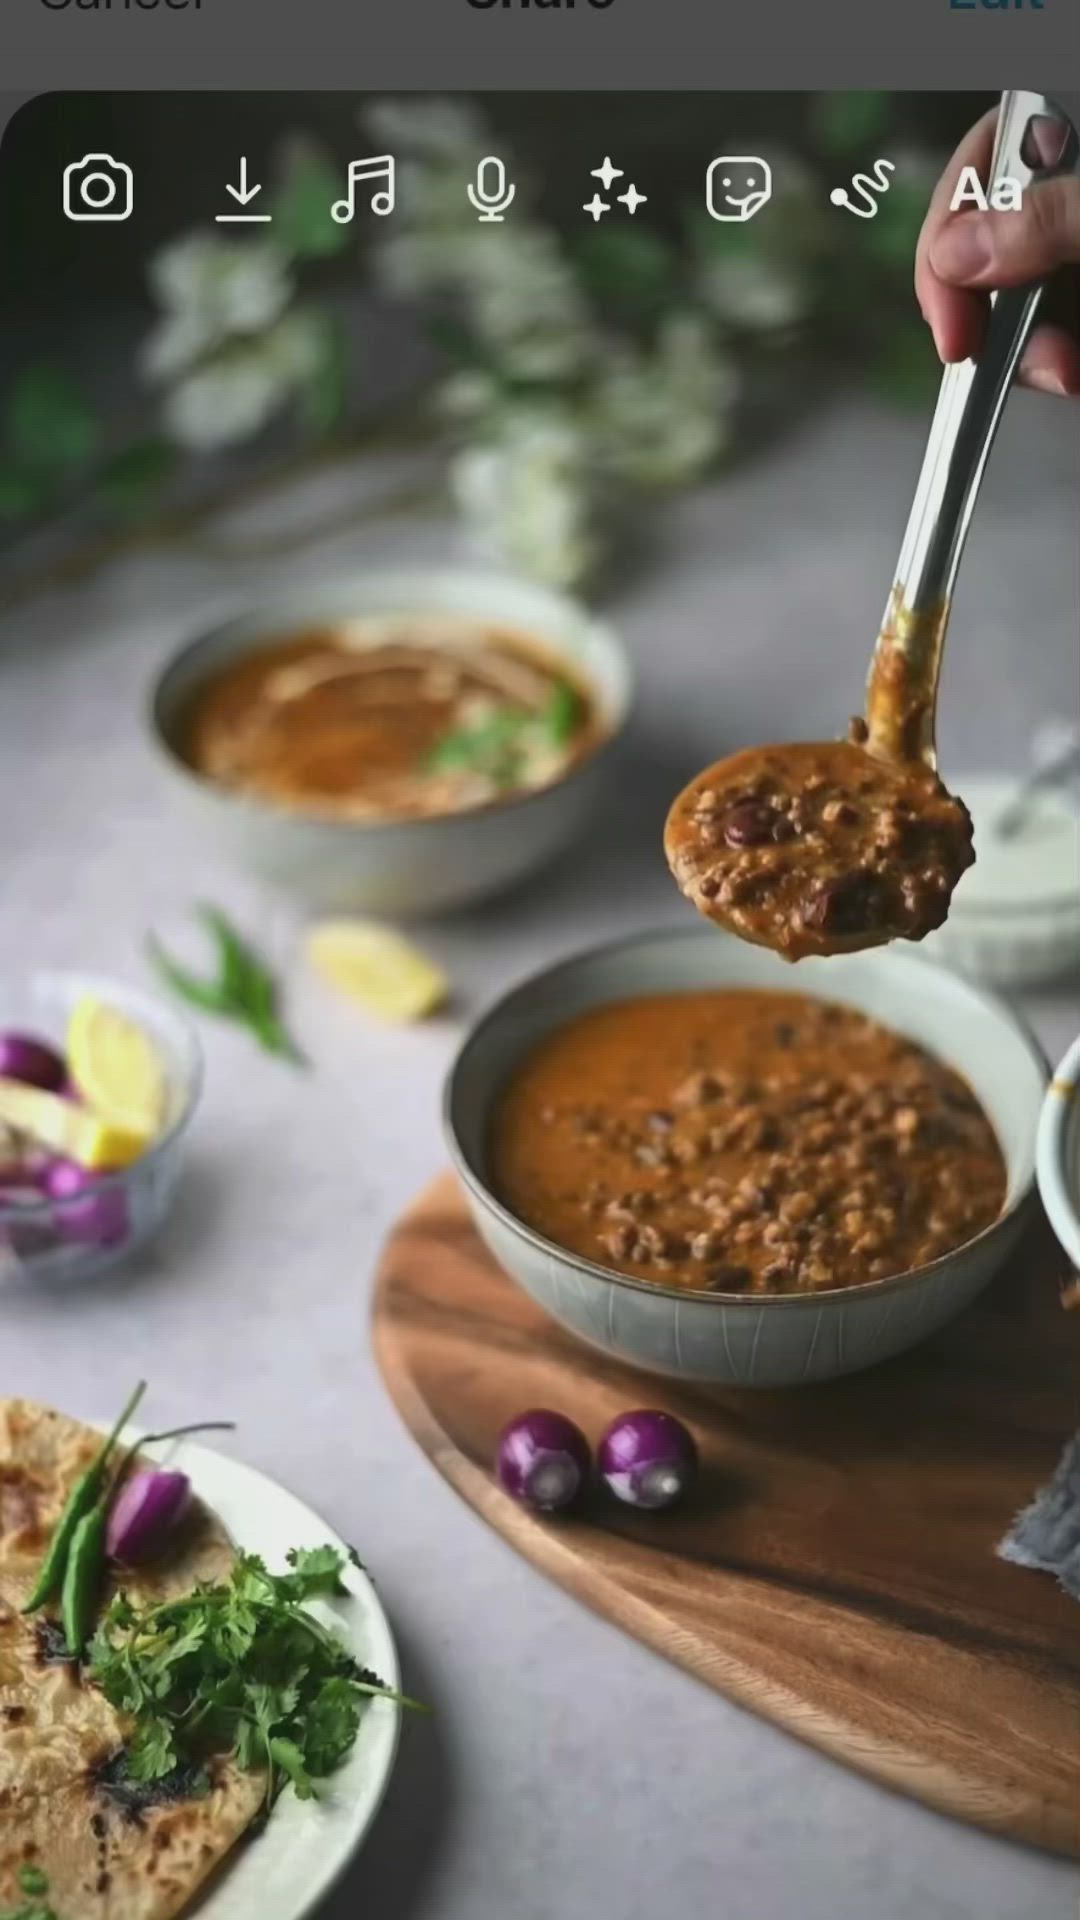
(467, 399)
(438, 144)
(918, 168)
(798, 225)
(432, 127)
(211, 290)
(528, 495)
(235, 392)
(660, 419)
(526, 304)
(513, 284)
(794, 183)
(755, 290)
(227, 400)
(174, 343)
(411, 264)
(296, 346)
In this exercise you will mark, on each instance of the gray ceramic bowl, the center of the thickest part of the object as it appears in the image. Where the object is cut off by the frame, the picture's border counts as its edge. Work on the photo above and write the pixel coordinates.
(399, 867)
(726, 1338)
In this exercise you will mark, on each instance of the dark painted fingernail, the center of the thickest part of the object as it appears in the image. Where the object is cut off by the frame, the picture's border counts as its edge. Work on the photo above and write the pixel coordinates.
(963, 249)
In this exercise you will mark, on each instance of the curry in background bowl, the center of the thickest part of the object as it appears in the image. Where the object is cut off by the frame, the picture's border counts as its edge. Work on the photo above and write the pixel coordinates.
(706, 1175)
(399, 716)
(396, 743)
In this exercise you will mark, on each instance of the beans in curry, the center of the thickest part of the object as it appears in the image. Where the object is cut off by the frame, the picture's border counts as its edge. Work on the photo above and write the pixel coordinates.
(819, 848)
(743, 1141)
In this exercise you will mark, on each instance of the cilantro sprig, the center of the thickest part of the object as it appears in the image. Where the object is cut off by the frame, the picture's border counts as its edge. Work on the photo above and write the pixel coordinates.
(240, 1669)
(499, 746)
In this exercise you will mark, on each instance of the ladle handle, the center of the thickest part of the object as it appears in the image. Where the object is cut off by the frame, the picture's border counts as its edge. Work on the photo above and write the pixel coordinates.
(904, 675)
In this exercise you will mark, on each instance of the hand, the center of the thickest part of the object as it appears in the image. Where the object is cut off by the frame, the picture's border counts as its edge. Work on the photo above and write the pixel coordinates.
(963, 256)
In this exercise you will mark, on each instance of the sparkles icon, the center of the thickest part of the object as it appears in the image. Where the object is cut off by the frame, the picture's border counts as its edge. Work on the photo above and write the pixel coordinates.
(607, 173)
(597, 208)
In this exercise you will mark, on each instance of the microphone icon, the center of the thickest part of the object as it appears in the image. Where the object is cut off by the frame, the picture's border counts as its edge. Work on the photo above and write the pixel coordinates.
(492, 194)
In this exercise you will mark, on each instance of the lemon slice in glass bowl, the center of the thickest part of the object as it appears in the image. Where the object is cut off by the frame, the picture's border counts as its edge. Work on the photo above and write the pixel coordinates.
(75, 1132)
(117, 1068)
(378, 968)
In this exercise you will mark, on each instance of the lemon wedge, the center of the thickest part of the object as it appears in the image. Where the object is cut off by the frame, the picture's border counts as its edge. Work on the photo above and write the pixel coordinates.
(76, 1132)
(377, 968)
(116, 1068)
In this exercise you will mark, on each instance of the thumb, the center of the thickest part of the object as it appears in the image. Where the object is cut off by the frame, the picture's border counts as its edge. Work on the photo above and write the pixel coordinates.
(1005, 249)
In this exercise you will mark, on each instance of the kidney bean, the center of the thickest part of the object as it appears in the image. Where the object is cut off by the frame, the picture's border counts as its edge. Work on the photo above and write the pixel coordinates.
(843, 905)
(751, 825)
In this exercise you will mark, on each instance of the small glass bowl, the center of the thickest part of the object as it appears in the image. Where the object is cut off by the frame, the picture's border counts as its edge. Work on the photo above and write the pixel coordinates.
(77, 1237)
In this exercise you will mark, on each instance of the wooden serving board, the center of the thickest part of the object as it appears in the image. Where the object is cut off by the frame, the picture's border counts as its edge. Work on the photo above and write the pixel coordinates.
(835, 1568)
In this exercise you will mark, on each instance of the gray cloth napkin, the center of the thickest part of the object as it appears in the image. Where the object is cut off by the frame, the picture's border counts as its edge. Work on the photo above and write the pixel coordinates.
(1046, 1535)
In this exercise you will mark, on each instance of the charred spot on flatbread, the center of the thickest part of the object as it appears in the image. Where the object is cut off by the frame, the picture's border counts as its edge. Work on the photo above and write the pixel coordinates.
(109, 1777)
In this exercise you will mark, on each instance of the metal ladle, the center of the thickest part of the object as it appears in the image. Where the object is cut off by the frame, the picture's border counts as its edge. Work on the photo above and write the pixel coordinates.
(902, 690)
(886, 848)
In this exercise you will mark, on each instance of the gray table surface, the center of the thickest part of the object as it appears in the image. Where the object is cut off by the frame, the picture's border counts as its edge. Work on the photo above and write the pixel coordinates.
(567, 1772)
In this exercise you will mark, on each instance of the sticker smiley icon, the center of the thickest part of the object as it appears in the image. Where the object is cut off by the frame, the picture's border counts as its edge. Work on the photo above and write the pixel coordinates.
(737, 186)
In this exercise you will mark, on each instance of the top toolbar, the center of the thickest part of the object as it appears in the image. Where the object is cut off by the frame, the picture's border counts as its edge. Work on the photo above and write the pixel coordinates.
(100, 188)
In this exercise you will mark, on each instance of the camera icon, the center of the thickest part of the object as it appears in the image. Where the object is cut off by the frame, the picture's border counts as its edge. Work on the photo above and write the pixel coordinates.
(97, 187)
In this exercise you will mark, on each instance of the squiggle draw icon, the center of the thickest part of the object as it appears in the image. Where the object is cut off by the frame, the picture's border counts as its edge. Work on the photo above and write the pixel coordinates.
(866, 185)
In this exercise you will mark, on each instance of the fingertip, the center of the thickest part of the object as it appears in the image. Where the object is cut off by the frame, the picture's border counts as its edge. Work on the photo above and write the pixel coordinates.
(955, 319)
(1052, 363)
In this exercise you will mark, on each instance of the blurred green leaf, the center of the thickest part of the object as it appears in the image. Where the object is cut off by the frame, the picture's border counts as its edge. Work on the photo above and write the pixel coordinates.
(890, 238)
(905, 369)
(846, 123)
(454, 339)
(135, 471)
(49, 422)
(324, 397)
(22, 493)
(730, 237)
(629, 271)
(562, 715)
(303, 223)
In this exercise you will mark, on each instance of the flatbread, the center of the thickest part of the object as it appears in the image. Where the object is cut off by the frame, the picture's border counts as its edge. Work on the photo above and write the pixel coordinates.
(107, 1854)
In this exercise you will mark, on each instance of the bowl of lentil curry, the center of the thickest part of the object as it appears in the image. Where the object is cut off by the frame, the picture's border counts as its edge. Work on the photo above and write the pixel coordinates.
(395, 743)
(709, 1175)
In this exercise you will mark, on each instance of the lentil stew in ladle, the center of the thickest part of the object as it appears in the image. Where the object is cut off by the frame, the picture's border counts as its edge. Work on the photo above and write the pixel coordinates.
(825, 848)
(819, 848)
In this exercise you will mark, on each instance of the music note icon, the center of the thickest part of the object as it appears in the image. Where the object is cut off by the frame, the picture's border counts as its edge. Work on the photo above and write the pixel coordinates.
(382, 201)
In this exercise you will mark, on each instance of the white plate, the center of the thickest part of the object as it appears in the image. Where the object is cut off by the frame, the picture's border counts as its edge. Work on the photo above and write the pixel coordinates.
(306, 1845)
(1057, 1153)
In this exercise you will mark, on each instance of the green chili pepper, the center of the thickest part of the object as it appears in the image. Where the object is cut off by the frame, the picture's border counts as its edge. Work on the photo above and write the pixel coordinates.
(82, 1498)
(82, 1577)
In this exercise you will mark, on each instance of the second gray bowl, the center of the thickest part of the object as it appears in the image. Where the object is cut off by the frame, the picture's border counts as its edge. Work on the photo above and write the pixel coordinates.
(400, 868)
(784, 1339)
